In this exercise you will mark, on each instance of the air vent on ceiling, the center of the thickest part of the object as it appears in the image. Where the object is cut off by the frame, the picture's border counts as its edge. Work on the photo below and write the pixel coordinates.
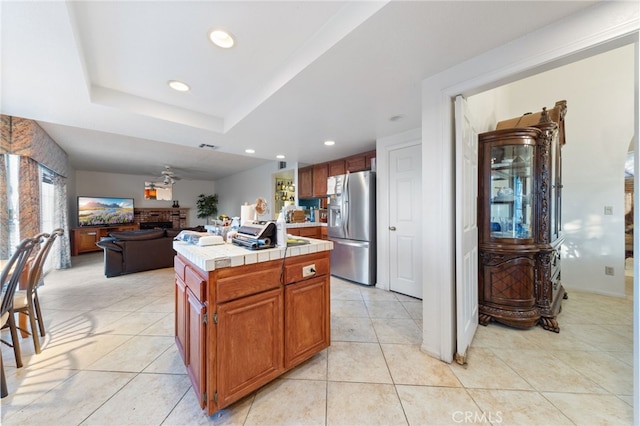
(206, 145)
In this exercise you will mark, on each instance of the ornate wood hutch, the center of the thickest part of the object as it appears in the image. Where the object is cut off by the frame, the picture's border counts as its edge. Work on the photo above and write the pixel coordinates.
(519, 220)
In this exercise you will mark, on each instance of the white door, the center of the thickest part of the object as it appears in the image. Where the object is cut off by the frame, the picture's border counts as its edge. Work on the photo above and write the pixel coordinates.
(466, 229)
(405, 216)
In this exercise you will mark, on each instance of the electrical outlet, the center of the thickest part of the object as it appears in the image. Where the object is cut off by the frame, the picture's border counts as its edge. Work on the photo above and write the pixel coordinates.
(608, 210)
(608, 270)
(308, 270)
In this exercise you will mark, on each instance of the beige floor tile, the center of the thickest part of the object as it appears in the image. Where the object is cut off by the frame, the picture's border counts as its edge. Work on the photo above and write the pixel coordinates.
(91, 322)
(357, 362)
(409, 365)
(602, 368)
(626, 357)
(485, 370)
(353, 404)
(414, 309)
(188, 412)
(352, 330)
(165, 326)
(159, 304)
(513, 407)
(602, 337)
(386, 309)
(129, 304)
(76, 353)
(134, 355)
(589, 409)
(373, 293)
(499, 336)
(132, 323)
(314, 368)
(26, 386)
(303, 404)
(546, 372)
(72, 401)
(146, 400)
(566, 340)
(342, 290)
(349, 309)
(169, 362)
(397, 330)
(425, 405)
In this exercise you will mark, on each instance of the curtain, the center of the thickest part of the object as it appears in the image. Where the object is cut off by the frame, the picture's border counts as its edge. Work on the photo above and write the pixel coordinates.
(61, 251)
(4, 210)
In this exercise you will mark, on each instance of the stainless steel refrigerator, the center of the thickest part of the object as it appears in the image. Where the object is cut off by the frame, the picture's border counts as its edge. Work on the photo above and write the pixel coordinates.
(351, 226)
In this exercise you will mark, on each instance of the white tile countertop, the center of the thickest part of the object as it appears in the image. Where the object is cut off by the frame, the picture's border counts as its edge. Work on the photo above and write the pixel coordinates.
(210, 258)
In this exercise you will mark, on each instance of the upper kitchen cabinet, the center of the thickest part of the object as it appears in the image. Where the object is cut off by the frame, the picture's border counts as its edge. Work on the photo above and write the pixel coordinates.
(337, 168)
(305, 182)
(320, 175)
(360, 162)
(312, 180)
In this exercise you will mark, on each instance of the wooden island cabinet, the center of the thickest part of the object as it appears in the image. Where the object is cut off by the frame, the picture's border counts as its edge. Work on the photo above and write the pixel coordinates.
(239, 327)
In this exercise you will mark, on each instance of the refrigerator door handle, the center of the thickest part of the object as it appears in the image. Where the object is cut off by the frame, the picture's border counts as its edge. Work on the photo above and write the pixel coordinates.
(345, 206)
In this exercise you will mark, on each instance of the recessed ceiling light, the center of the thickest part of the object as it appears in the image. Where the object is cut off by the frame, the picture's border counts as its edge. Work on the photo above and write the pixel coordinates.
(329, 143)
(179, 86)
(250, 151)
(280, 157)
(221, 38)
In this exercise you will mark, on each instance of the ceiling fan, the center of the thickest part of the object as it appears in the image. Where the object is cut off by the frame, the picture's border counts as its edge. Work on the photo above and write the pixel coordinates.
(168, 176)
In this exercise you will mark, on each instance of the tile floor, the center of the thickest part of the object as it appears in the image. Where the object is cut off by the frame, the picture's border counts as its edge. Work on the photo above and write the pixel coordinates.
(109, 358)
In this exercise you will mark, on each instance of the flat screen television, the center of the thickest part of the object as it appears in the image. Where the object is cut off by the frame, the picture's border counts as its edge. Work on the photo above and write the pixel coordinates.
(104, 211)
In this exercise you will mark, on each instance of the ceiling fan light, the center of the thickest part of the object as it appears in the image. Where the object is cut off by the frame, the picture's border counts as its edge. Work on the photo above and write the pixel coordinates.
(221, 38)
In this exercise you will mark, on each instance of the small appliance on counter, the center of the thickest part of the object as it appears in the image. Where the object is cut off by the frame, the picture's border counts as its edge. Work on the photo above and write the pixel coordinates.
(199, 238)
(256, 235)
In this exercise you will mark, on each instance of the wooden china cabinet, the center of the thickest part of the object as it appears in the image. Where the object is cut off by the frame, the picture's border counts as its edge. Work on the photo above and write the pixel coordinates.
(519, 220)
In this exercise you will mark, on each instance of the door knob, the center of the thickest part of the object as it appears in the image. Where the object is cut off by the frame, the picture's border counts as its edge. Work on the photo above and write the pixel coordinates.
(392, 228)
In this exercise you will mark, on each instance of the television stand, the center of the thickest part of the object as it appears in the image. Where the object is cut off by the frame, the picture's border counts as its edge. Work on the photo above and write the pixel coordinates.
(83, 240)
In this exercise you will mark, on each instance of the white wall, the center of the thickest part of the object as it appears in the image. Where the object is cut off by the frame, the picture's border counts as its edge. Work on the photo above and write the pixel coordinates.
(599, 125)
(246, 187)
(120, 185)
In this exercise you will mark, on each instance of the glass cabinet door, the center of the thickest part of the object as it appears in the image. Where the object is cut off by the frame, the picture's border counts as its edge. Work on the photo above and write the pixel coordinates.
(511, 204)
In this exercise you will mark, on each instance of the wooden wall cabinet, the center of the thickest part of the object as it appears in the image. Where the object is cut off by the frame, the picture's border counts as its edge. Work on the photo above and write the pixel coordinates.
(237, 328)
(83, 240)
(337, 167)
(312, 180)
(305, 182)
(355, 163)
(320, 175)
(519, 226)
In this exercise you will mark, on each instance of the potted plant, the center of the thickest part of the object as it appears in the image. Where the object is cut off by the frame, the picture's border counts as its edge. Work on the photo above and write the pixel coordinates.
(207, 206)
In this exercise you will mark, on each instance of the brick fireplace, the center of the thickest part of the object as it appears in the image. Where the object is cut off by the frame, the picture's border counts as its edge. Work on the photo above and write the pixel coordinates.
(161, 217)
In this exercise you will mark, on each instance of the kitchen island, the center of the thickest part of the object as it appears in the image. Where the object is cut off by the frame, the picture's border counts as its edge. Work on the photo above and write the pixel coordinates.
(245, 317)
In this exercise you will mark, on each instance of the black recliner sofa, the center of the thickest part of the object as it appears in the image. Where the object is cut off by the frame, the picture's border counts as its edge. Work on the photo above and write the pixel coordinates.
(126, 252)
